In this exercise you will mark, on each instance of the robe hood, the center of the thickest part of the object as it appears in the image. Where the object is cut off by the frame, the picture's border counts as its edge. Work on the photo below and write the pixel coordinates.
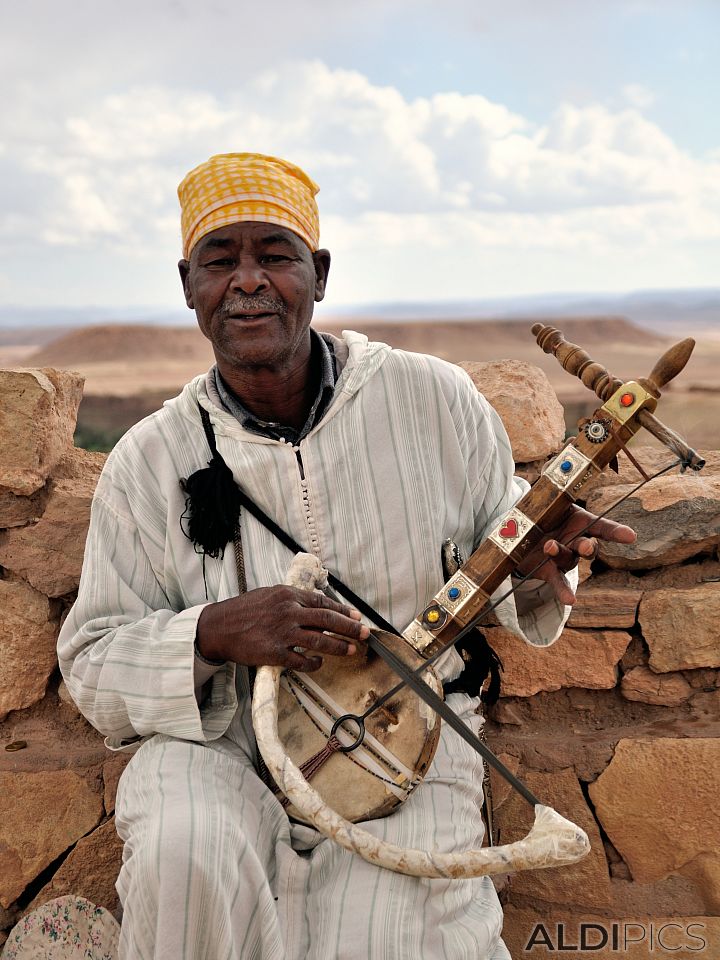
(359, 358)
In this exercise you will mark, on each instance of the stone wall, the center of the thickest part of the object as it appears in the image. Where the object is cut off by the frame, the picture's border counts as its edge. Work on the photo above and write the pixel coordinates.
(616, 726)
(57, 780)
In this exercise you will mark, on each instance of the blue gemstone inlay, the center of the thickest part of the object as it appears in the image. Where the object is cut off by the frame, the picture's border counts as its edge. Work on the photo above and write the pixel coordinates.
(453, 593)
(566, 466)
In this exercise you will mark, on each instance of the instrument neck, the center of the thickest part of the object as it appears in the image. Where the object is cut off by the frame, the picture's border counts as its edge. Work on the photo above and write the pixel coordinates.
(543, 509)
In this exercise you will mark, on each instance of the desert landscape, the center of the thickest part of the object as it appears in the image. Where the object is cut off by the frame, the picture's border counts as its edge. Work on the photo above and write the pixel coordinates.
(130, 369)
(616, 726)
(611, 728)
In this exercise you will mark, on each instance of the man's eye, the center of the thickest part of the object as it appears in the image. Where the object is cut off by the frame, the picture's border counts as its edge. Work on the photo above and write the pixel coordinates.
(274, 258)
(220, 262)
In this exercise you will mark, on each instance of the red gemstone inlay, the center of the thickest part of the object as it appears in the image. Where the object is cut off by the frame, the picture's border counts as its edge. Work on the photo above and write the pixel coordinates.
(509, 529)
(627, 399)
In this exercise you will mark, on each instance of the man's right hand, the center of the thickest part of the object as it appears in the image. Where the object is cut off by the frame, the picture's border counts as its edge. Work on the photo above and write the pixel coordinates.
(262, 627)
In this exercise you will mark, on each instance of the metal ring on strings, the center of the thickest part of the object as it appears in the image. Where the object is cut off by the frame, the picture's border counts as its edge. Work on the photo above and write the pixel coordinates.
(352, 718)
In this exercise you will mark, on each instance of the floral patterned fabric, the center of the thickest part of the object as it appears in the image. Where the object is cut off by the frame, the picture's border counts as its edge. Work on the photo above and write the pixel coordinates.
(68, 928)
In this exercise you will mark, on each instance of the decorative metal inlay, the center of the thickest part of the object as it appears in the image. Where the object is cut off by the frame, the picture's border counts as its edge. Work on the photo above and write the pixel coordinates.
(627, 400)
(564, 470)
(597, 430)
(513, 528)
(434, 617)
(457, 592)
(417, 636)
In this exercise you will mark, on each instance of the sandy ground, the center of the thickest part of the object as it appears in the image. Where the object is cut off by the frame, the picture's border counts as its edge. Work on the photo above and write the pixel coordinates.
(129, 370)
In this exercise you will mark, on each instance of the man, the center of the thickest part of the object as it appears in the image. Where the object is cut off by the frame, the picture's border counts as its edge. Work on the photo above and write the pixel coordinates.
(370, 458)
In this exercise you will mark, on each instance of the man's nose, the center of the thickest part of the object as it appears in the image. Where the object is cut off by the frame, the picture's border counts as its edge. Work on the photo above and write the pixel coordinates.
(249, 277)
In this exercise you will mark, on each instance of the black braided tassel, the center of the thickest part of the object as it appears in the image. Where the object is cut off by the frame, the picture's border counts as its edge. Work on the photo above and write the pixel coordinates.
(212, 507)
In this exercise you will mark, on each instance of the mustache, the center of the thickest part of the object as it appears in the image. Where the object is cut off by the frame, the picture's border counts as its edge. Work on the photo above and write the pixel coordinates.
(255, 304)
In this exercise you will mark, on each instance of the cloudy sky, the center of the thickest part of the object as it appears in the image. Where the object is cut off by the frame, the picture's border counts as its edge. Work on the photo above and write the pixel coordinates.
(464, 148)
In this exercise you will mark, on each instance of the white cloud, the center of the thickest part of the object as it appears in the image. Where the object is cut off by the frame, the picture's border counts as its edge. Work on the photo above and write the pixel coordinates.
(436, 174)
(638, 96)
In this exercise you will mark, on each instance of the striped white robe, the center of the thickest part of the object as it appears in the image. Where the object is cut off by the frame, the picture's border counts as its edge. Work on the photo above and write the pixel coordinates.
(407, 455)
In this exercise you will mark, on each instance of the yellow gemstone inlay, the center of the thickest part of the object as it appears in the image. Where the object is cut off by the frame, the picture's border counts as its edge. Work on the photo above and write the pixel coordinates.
(433, 616)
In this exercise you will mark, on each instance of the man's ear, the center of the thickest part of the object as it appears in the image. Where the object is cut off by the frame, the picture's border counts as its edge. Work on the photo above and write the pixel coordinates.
(184, 270)
(321, 259)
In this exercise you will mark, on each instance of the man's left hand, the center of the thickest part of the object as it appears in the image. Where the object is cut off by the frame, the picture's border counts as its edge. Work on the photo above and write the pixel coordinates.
(560, 558)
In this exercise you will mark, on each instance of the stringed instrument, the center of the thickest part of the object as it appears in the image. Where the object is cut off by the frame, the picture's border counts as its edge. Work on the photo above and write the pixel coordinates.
(351, 741)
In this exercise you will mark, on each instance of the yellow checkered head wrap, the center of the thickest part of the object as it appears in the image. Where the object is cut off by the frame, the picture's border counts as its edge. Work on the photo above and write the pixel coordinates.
(240, 187)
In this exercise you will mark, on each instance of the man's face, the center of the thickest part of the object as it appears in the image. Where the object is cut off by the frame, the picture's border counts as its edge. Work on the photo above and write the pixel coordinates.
(253, 286)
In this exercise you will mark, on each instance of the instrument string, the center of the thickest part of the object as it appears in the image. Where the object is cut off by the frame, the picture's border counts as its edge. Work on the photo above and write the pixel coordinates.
(481, 619)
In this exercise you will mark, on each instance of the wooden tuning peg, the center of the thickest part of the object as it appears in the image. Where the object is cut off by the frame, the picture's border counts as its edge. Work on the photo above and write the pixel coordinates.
(576, 361)
(668, 366)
